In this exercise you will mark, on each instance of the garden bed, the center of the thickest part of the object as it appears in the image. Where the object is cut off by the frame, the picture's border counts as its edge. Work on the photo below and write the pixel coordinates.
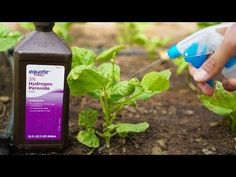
(179, 124)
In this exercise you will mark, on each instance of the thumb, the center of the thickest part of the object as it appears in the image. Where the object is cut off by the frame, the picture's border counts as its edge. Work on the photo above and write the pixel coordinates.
(213, 65)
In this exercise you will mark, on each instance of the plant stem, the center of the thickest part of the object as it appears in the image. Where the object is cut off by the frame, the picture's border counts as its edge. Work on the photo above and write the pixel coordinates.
(107, 116)
(99, 134)
(113, 116)
(233, 126)
(113, 67)
(91, 152)
(121, 105)
(102, 103)
(113, 134)
(108, 142)
(106, 108)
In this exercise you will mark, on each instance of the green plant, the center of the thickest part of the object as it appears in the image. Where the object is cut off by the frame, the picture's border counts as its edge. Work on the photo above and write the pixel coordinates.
(103, 83)
(8, 38)
(61, 28)
(151, 44)
(27, 25)
(181, 64)
(133, 34)
(206, 24)
(222, 103)
(129, 30)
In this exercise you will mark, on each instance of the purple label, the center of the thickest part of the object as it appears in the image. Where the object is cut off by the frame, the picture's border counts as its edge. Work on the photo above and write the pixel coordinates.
(44, 102)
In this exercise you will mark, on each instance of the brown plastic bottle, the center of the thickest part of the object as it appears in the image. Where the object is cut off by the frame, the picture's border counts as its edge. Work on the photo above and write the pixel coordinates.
(41, 94)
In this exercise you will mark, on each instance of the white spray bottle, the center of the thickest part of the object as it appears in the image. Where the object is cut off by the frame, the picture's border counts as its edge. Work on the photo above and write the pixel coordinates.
(198, 46)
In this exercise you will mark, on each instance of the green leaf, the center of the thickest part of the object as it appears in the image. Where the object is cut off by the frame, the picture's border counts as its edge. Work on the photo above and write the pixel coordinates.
(120, 90)
(153, 44)
(139, 26)
(88, 118)
(107, 134)
(222, 102)
(7, 38)
(151, 51)
(84, 79)
(63, 29)
(151, 84)
(140, 39)
(181, 64)
(122, 128)
(109, 54)
(135, 82)
(156, 82)
(27, 25)
(129, 32)
(222, 111)
(138, 90)
(81, 56)
(145, 96)
(88, 138)
(123, 134)
(139, 93)
(106, 69)
(206, 24)
(159, 42)
(95, 94)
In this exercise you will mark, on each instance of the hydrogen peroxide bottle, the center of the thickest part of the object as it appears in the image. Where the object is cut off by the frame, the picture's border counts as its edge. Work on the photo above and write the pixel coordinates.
(41, 94)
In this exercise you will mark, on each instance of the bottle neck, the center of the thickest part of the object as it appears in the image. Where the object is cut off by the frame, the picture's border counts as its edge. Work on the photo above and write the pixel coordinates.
(44, 26)
(43, 29)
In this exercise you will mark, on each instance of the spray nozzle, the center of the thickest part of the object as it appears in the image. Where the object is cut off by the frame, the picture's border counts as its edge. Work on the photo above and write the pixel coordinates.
(173, 52)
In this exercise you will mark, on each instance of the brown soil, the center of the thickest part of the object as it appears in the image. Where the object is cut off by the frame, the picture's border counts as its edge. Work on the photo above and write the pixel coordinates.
(179, 124)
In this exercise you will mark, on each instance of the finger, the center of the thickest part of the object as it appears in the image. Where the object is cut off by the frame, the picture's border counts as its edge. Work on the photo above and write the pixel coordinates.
(205, 88)
(229, 84)
(213, 65)
(192, 70)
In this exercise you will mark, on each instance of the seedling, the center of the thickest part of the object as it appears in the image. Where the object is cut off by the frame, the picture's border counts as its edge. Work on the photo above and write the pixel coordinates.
(133, 34)
(152, 45)
(222, 103)
(128, 32)
(103, 83)
(8, 38)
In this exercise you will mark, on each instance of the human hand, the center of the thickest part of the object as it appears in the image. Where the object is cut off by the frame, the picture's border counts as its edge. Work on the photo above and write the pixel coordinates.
(215, 63)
